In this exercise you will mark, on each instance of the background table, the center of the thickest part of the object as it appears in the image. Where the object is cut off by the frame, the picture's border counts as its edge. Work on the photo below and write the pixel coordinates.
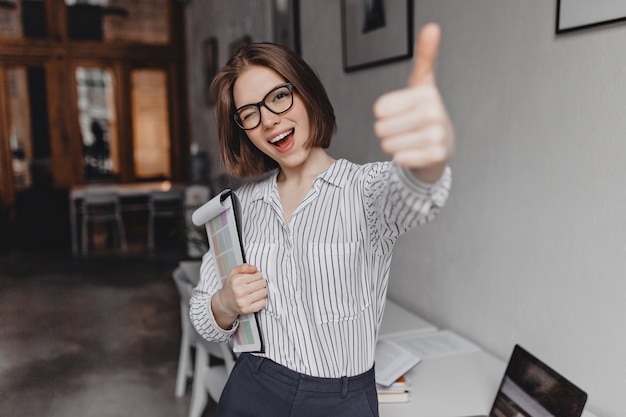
(133, 190)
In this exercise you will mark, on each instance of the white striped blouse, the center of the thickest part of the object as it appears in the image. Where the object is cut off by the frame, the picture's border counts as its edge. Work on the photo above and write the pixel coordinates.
(327, 271)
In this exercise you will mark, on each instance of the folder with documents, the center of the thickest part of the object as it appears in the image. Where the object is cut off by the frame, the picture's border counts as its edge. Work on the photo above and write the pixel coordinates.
(221, 217)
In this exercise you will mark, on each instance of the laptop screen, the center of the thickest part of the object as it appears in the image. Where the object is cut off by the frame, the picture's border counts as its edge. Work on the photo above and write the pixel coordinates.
(530, 388)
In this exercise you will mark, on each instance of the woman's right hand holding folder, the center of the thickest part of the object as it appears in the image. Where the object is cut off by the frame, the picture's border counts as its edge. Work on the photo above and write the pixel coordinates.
(244, 291)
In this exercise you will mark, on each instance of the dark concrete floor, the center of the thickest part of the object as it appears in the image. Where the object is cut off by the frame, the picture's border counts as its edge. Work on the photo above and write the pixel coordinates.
(94, 336)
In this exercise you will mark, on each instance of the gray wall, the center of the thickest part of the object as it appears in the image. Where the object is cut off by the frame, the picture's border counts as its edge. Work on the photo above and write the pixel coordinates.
(531, 247)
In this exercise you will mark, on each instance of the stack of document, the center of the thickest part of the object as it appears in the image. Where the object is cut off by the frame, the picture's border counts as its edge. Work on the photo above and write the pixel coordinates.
(396, 356)
(398, 392)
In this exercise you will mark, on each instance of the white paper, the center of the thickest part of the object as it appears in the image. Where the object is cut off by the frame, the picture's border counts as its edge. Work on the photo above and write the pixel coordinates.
(431, 345)
(392, 361)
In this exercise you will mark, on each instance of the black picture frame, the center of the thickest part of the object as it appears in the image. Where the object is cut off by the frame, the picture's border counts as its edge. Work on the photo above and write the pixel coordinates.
(574, 15)
(376, 32)
(286, 24)
(209, 66)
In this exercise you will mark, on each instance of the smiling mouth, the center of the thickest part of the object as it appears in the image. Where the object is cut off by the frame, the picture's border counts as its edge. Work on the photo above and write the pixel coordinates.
(276, 140)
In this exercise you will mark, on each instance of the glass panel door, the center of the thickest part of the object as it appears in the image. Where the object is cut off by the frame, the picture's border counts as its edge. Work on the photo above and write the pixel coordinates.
(20, 138)
(97, 121)
(151, 131)
(10, 22)
(29, 135)
(23, 19)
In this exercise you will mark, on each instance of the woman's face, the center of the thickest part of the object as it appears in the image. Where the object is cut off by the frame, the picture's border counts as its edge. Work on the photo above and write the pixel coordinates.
(282, 136)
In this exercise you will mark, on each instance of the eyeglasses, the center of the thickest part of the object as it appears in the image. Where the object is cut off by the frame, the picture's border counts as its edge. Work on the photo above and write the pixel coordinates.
(278, 100)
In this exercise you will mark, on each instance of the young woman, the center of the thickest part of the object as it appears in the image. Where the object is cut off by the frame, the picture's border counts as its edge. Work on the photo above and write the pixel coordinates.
(318, 233)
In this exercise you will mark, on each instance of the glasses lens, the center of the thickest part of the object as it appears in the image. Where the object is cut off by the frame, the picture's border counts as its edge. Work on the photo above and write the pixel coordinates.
(279, 100)
(248, 117)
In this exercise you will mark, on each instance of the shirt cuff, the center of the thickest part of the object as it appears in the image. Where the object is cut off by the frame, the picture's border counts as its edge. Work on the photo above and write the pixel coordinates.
(437, 191)
(226, 332)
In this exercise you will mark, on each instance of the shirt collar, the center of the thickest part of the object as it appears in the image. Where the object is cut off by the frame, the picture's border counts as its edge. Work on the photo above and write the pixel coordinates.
(334, 175)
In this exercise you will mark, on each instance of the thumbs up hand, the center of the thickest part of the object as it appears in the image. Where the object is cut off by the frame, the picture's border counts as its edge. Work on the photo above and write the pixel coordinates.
(412, 123)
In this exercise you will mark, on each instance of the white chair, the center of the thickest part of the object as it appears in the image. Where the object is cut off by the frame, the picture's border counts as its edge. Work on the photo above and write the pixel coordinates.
(103, 207)
(208, 378)
(163, 204)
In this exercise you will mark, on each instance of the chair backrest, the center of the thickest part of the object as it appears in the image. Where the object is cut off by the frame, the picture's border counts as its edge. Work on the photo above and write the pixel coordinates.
(166, 202)
(173, 194)
(101, 204)
(95, 197)
(183, 284)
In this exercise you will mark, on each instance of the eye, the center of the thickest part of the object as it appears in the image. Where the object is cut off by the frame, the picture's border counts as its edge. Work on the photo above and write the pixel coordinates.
(281, 94)
(247, 113)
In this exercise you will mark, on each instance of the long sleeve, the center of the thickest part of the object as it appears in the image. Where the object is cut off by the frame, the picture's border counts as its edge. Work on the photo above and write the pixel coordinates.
(200, 304)
(396, 201)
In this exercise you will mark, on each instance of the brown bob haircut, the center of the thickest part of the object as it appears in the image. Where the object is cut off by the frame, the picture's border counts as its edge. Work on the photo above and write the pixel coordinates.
(238, 155)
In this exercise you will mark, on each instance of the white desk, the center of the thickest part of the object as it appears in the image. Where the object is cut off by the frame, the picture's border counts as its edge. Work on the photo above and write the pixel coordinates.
(398, 321)
(451, 386)
(141, 189)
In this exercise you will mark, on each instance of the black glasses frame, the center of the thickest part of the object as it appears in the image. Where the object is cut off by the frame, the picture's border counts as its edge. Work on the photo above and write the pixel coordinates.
(262, 103)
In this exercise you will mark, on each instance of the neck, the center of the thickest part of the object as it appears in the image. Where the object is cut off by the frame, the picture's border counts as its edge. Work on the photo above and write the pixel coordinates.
(317, 162)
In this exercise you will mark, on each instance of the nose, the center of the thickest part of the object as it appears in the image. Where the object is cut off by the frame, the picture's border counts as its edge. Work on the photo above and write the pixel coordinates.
(269, 119)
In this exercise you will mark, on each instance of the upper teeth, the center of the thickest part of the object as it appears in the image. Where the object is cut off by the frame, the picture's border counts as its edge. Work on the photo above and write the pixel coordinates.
(281, 136)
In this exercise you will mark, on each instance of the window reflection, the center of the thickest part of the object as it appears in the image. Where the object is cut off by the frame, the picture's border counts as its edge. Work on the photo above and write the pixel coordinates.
(96, 117)
(23, 18)
(20, 138)
(29, 137)
(10, 23)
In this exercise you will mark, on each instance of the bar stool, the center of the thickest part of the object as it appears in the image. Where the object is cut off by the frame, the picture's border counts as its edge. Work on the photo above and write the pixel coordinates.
(163, 204)
(102, 207)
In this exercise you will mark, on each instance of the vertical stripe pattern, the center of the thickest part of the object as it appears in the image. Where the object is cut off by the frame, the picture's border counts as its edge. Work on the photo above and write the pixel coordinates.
(327, 271)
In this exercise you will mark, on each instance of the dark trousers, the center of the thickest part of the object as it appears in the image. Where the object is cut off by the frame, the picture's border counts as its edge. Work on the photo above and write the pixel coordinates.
(258, 387)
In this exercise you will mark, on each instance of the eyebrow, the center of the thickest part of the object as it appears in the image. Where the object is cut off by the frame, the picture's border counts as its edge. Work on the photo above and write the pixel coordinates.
(265, 95)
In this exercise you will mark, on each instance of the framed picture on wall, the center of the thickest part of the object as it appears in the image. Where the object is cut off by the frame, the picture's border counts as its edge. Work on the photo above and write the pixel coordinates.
(582, 14)
(286, 17)
(209, 65)
(376, 32)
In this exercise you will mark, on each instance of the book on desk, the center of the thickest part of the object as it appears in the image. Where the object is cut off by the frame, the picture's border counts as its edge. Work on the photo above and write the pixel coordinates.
(398, 392)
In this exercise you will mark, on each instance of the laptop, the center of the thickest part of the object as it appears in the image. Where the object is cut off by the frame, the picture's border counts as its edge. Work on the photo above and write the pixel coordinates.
(530, 388)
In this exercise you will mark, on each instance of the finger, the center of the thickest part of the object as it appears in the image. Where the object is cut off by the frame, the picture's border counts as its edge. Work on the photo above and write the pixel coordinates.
(398, 143)
(255, 306)
(256, 285)
(403, 100)
(244, 283)
(426, 49)
(246, 268)
(253, 301)
(420, 158)
(244, 273)
(421, 114)
(430, 136)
